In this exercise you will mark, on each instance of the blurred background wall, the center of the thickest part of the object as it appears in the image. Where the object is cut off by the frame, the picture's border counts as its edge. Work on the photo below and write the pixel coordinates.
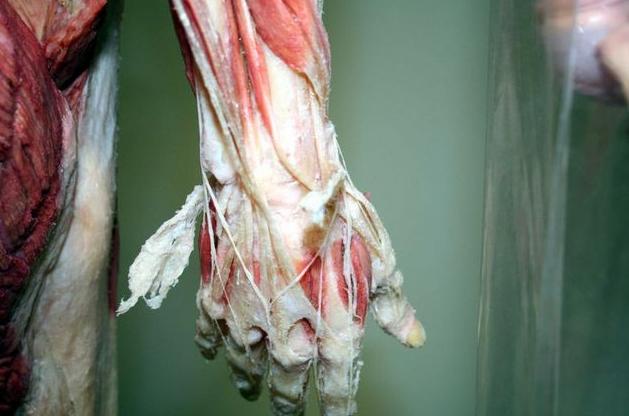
(408, 102)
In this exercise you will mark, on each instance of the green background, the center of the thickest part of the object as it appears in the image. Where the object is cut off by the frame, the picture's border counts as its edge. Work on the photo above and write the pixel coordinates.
(409, 105)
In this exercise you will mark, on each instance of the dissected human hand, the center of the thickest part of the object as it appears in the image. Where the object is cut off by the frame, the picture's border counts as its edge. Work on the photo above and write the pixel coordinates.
(292, 254)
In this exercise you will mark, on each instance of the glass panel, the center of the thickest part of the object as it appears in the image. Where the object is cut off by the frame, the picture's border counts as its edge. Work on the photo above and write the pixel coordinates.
(556, 245)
